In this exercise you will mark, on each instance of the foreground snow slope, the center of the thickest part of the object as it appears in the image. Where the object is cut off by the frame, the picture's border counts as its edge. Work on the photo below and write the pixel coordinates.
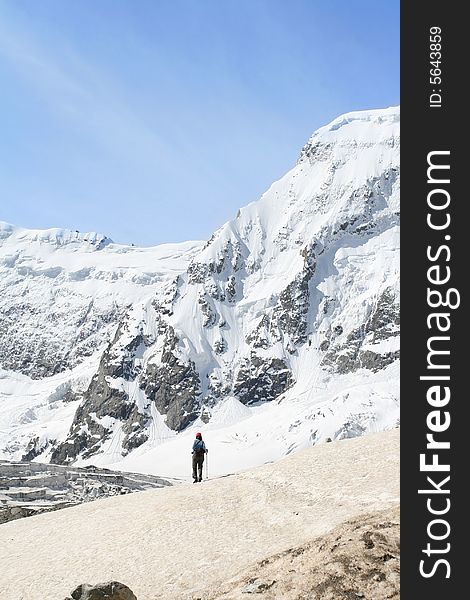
(280, 331)
(174, 543)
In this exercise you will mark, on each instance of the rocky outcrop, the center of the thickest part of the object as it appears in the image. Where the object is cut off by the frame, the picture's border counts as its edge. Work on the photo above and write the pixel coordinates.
(36, 447)
(208, 312)
(111, 590)
(258, 586)
(261, 380)
(355, 352)
(90, 424)
(290, 314)
(172, 385)
(36, 351)
(104, 402)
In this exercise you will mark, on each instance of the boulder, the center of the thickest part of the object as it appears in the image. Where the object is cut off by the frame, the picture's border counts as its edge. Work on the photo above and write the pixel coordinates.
(111, 590)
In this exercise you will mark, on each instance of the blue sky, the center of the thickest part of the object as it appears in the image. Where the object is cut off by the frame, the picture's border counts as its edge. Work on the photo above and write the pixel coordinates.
(154, 120)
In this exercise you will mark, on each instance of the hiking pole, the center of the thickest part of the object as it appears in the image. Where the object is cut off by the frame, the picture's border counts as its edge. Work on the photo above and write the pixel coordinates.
(207, 465)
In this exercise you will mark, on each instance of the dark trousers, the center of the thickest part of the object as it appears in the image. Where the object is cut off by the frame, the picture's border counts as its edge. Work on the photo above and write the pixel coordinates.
(198, 461)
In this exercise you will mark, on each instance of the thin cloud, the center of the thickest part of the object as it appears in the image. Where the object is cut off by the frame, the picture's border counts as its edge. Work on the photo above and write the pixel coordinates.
(73, 89)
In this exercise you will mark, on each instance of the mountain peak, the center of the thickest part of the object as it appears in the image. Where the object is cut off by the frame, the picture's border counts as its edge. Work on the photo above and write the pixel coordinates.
(355, 129)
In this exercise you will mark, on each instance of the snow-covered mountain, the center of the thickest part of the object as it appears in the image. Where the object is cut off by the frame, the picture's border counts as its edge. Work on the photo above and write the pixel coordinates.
(280, 331)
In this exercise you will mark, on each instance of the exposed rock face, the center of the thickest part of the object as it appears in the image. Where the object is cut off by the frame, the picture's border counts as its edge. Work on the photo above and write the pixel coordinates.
(302, 287)
(38, 354)
(290, 314)
(382, 324)
(209, 315)
(101, 404)
(173, 386)
(112, 590)
(261, 380)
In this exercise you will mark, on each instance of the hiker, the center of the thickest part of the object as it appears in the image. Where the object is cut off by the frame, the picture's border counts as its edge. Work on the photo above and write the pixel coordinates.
(199, 451)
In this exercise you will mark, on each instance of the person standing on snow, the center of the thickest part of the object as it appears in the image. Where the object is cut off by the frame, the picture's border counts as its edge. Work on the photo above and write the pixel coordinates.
(199, 452)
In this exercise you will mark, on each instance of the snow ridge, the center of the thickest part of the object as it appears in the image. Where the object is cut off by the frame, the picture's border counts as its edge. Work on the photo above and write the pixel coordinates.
(55, 236)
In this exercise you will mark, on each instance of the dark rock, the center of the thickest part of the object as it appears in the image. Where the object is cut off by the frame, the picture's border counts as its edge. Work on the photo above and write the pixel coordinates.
(103, 400)
(257, 586)
(231, 288)
(163, 304)
(350, 429)
(111, 590)
(382, 323)
(261, 379)
(220, 346)
(290, 314)
(315, 152)
(209, 314)
(11, 513)
(230, 260)
(33, 449)
(375, 362)
(197, 272)
(172, 385)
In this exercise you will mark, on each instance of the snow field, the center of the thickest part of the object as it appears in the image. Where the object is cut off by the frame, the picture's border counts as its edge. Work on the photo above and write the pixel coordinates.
(174, 543)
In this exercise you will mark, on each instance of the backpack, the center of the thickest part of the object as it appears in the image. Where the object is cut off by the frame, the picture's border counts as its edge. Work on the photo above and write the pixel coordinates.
(199, 449)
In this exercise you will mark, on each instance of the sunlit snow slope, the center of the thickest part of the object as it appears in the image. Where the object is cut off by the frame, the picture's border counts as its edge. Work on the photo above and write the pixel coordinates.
(280, 331)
